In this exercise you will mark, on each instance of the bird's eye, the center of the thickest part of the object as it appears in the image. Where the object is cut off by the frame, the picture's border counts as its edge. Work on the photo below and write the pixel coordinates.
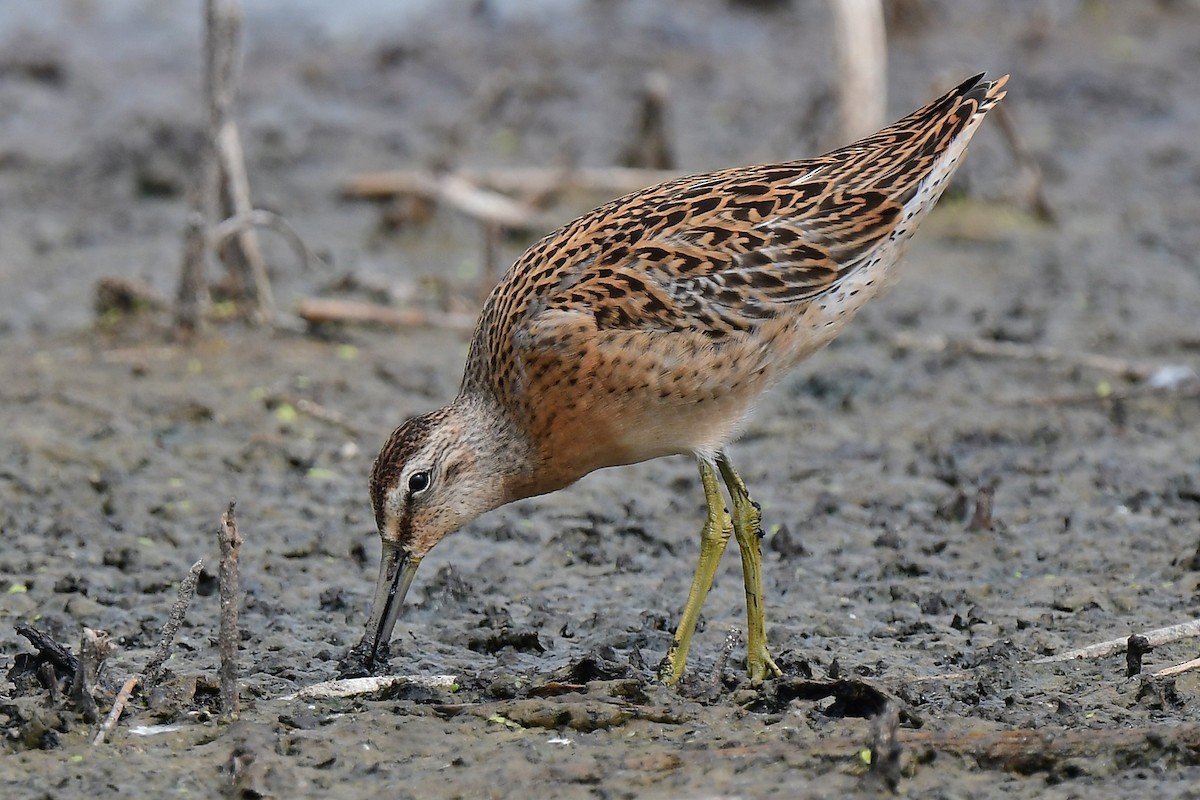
(418, 482)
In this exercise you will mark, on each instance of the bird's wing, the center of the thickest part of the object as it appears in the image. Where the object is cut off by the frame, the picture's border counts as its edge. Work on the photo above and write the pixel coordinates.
(720, 257)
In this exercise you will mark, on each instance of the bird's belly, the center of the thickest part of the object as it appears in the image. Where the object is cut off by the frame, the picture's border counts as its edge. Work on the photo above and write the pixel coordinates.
(596, 430)
(701, 426)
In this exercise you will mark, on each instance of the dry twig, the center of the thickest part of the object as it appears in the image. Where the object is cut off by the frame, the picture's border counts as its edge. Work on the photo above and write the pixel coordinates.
(246, 258)
(114, 713)
(222, 21)
(151, 673)
(192, 298)
(316, 411)
(319, 311)
(94, 648)
(352, 687)
(491, 258)
(717, 680)
(981, 519)
(260, 218)
(525, 181)
(650, 145)
(221, 164)
(886, 750)
(1178, 669)
(1150, 389)
(862, 66)
(183, 599)
(1154, 638)
(456, 191)
(230, 542)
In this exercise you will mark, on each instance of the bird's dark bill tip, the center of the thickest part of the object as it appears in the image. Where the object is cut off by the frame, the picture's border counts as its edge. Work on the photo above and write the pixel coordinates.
(360, 662)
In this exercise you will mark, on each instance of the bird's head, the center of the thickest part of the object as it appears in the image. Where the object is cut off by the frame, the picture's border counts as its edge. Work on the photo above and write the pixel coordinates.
(436, 473)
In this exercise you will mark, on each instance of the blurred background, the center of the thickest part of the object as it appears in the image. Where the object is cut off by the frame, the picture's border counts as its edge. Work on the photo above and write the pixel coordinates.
(1040, 351)
(101, 110)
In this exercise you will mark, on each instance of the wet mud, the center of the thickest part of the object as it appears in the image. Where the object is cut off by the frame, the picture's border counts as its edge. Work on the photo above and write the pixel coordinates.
(907, 618)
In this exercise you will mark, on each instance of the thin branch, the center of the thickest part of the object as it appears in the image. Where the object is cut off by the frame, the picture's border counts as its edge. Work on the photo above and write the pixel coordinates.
(490, 269)
(192, 298)
(649, 145)
(862, 66)
(981, 518)
(150, 675)
(531, 181)
(1189, 388)
(481, 204)
(114, 713)
(94, 648)
(316, 411)
(183, 599)
(352, 687)
(221, 164)
(1154, 638)
(886, 750)
(222, 21)
(228, 637)
(717, 679)
(260, 218)
(1178, 669)
(237, 192)
(319, 311)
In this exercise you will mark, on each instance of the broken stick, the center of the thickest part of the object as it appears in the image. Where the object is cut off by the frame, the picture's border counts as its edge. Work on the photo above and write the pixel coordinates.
(151, 674)
(862, 66)
(981, 518)
(49, 650)
(1178, 669)
(260, 218)
(246, 257)
(183, 599)
(716, 681)
(351, 687)
(524, 181)
(219, 62)
(94, 648)
(114, 713)
(319, 311)
(230, 542)
(1154, 638)
(886, 750)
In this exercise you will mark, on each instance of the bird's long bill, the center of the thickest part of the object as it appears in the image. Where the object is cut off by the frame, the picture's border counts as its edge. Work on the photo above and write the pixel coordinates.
(396, 571)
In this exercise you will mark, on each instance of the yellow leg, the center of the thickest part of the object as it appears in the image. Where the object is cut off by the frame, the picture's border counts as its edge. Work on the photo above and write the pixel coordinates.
(747, 529)
(713, 538)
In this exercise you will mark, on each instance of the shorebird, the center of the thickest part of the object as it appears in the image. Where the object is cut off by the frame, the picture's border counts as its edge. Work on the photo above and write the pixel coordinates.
(650, 327)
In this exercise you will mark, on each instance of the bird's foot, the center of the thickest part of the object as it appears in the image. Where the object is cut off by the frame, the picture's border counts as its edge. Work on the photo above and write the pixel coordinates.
(761, 666)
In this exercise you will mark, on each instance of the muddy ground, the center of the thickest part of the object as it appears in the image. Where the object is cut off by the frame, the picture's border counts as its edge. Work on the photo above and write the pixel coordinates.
(121, 445)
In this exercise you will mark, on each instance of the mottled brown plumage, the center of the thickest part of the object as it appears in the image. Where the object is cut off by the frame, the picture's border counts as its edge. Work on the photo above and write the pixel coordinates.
(652, 324)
